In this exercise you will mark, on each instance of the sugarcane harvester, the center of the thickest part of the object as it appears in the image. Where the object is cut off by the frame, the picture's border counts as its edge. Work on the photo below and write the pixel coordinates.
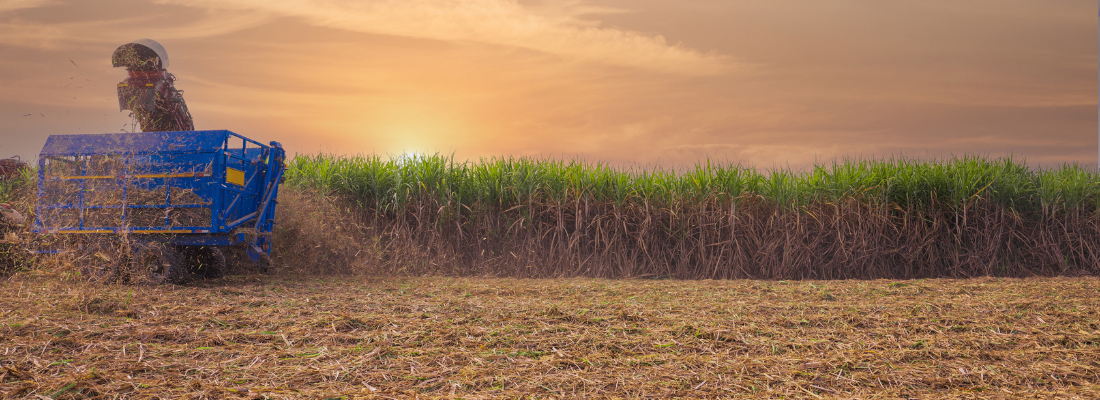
(176, 199)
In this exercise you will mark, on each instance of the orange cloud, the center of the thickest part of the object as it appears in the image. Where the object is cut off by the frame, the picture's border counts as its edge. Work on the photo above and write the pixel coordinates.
(553, 30)
(118, 30)
(9, 5)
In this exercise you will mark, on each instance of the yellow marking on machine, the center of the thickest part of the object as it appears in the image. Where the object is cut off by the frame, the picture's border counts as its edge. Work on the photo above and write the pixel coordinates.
(135, 231)
(166, 231)
(88, 177)
(177, 175)
(234, 176)
(180, 175)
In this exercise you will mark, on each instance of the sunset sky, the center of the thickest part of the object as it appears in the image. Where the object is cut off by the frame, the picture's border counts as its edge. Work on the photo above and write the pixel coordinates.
(762, 82)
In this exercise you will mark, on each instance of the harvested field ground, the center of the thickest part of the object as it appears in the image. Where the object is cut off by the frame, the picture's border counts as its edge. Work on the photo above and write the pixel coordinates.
(277, 337)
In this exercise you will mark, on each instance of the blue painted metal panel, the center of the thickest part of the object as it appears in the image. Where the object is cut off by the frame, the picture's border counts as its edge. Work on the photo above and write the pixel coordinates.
(161, 182)
(135, 143)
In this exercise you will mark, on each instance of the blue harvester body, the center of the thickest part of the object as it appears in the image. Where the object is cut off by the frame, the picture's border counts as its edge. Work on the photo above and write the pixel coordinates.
(189, 188)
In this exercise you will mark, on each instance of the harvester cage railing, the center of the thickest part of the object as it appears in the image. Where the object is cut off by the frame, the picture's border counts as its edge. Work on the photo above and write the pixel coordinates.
(211, 188)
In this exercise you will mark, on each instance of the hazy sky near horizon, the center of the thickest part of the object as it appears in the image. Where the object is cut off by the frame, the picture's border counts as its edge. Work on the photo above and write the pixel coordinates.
(760, 82)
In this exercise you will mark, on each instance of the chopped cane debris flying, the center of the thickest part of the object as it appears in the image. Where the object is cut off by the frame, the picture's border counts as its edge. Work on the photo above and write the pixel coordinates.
(149, 90)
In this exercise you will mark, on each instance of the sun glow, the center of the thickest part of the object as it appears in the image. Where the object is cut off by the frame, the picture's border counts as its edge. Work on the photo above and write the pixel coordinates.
(406, 157)
(412, 129)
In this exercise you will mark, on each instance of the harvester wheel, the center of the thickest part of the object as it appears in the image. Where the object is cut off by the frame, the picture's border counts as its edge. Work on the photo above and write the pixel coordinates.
(207, 262)
(99, 261)
(157, 264)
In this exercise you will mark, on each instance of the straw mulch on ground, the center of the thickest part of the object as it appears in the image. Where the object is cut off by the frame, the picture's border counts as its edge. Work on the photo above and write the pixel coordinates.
(274, 337)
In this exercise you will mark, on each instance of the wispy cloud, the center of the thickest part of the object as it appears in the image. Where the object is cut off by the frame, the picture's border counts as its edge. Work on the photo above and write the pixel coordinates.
(53, 35)
(9, 5)
(558, 30)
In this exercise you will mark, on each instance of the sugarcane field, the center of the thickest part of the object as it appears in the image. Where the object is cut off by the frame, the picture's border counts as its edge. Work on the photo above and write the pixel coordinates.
(419, 300)
(549, 199)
